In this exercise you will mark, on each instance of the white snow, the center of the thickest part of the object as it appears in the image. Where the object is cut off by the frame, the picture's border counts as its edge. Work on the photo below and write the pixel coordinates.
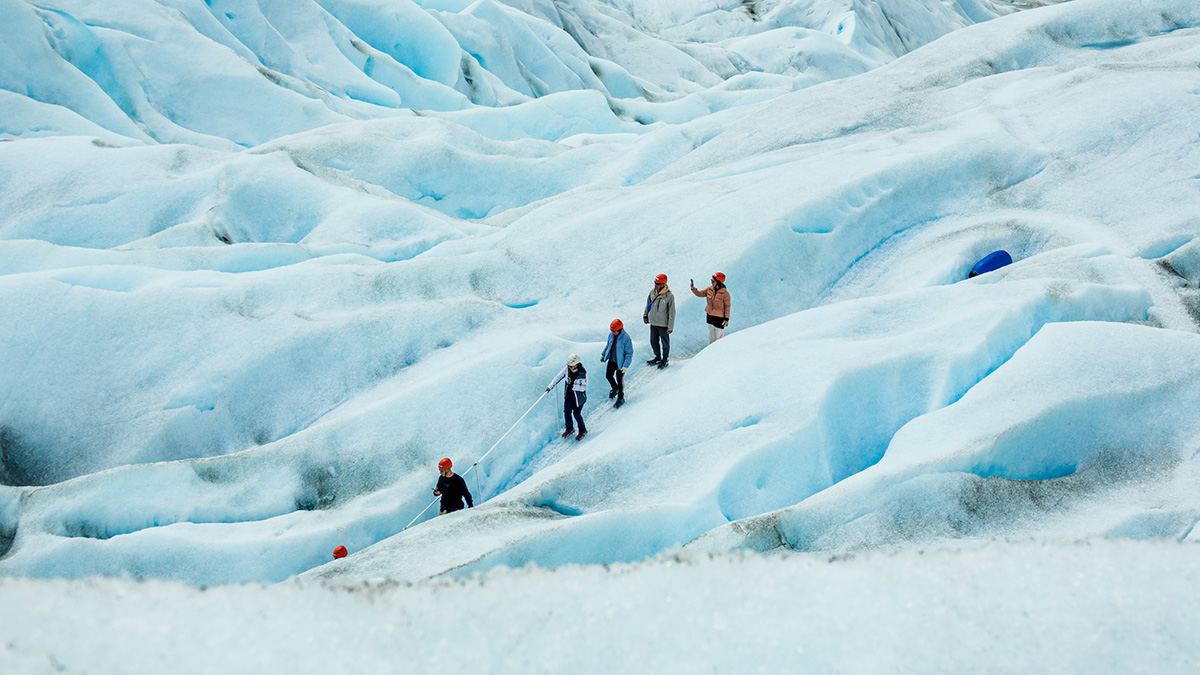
(1016, 607)
(264, 263)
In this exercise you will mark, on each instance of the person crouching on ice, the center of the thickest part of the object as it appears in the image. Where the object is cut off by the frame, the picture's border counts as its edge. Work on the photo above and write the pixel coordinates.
(576, 395)
(619, 354)
(716, 307)
(452, 488)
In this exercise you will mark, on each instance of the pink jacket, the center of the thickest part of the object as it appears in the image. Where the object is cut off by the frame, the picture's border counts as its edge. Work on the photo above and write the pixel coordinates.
(717, 303)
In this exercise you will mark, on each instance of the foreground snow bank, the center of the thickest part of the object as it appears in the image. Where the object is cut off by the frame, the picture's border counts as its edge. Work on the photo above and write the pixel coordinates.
(1010, 607)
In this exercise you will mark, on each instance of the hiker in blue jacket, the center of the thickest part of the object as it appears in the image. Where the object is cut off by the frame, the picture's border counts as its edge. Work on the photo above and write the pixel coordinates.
(619, 354)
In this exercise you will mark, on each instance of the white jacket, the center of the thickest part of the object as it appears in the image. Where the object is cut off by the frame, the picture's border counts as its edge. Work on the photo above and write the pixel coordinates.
(580, 382)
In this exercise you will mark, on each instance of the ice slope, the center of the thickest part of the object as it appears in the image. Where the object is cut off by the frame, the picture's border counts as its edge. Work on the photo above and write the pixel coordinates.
(1103, 607)
(228, 73)
(222, 363)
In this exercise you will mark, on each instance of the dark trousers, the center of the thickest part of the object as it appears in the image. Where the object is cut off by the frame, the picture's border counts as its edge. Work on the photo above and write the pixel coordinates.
(574, 404)
(659, 334)
(617, 382)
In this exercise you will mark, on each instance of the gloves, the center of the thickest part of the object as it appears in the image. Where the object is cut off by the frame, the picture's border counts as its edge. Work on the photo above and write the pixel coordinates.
(645, 318)
(625, 369)
(725, 323)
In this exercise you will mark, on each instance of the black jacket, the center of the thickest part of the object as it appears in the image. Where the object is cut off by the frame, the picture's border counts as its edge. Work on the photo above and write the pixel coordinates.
(454, 490)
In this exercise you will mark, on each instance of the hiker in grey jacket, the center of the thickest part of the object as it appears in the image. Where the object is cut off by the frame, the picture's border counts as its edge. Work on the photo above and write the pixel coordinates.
(660, 314)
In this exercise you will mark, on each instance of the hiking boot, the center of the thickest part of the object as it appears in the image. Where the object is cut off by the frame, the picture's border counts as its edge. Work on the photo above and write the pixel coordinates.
(568, 432)
(612, 393)
(620, 402)
(662, 364)
(581, 435)
(654, 361)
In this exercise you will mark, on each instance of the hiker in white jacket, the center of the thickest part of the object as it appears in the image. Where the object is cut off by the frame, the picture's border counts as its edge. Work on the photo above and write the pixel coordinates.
(576, 395)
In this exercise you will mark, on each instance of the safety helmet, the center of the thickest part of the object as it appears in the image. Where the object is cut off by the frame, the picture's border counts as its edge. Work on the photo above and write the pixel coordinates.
(573, 360)
(340, 552)
(616, 325)
(445, 463)
(660, 279)
(719, 276)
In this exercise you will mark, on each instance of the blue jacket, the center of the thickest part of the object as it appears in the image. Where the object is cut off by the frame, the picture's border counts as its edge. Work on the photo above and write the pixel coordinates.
(622, 352)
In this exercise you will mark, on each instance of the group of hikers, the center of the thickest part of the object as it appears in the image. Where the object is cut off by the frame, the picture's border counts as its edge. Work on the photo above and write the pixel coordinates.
(618, 354)
(618, 350)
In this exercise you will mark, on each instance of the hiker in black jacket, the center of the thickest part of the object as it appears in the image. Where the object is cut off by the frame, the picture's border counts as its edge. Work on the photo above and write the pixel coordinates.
(452, 488)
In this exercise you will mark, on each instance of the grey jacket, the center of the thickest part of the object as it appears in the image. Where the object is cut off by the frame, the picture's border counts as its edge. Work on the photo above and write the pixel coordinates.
(660, 309)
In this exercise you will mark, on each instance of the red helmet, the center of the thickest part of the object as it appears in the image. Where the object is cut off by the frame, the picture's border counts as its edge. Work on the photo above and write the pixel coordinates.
(445, 463)
(660, 279)
(340, 552)
(719, 276)
(616, 325)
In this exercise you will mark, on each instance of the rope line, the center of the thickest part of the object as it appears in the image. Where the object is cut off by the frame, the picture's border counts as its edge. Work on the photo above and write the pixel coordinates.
(478, 490)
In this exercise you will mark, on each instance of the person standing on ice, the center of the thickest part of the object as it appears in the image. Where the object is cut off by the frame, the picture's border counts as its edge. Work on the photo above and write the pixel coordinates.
(660, 314)
(619, 354)
(575, 396)
(451, 488)
(716, 307)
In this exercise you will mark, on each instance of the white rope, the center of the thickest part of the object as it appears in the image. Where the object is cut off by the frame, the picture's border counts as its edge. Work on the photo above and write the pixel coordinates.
(435, 500)
(478, 490)
(514, 426)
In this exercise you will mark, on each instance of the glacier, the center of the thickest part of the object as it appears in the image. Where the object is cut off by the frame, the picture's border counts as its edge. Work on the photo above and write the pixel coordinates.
(265, 263)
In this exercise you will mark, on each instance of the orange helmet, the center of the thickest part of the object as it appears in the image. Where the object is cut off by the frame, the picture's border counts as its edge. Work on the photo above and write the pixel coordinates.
(719, 276)
(616, 325)
(445, 463)
(340, 552)
(660, 279)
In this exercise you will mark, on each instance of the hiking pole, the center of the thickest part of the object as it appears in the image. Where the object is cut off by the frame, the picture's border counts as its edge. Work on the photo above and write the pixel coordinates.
(477, 488)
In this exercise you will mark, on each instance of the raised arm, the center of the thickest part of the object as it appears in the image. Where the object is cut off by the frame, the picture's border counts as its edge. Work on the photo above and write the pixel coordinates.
(556, 380)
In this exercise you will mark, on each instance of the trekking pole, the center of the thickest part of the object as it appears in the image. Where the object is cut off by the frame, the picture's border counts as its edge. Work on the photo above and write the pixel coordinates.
(477, 488)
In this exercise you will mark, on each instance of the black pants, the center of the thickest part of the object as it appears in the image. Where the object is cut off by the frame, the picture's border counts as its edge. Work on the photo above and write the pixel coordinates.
(618, 382)
(574, 404)
(659, 334)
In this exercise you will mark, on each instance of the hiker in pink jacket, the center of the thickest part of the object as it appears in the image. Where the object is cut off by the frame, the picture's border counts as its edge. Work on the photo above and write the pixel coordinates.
(716, 306)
